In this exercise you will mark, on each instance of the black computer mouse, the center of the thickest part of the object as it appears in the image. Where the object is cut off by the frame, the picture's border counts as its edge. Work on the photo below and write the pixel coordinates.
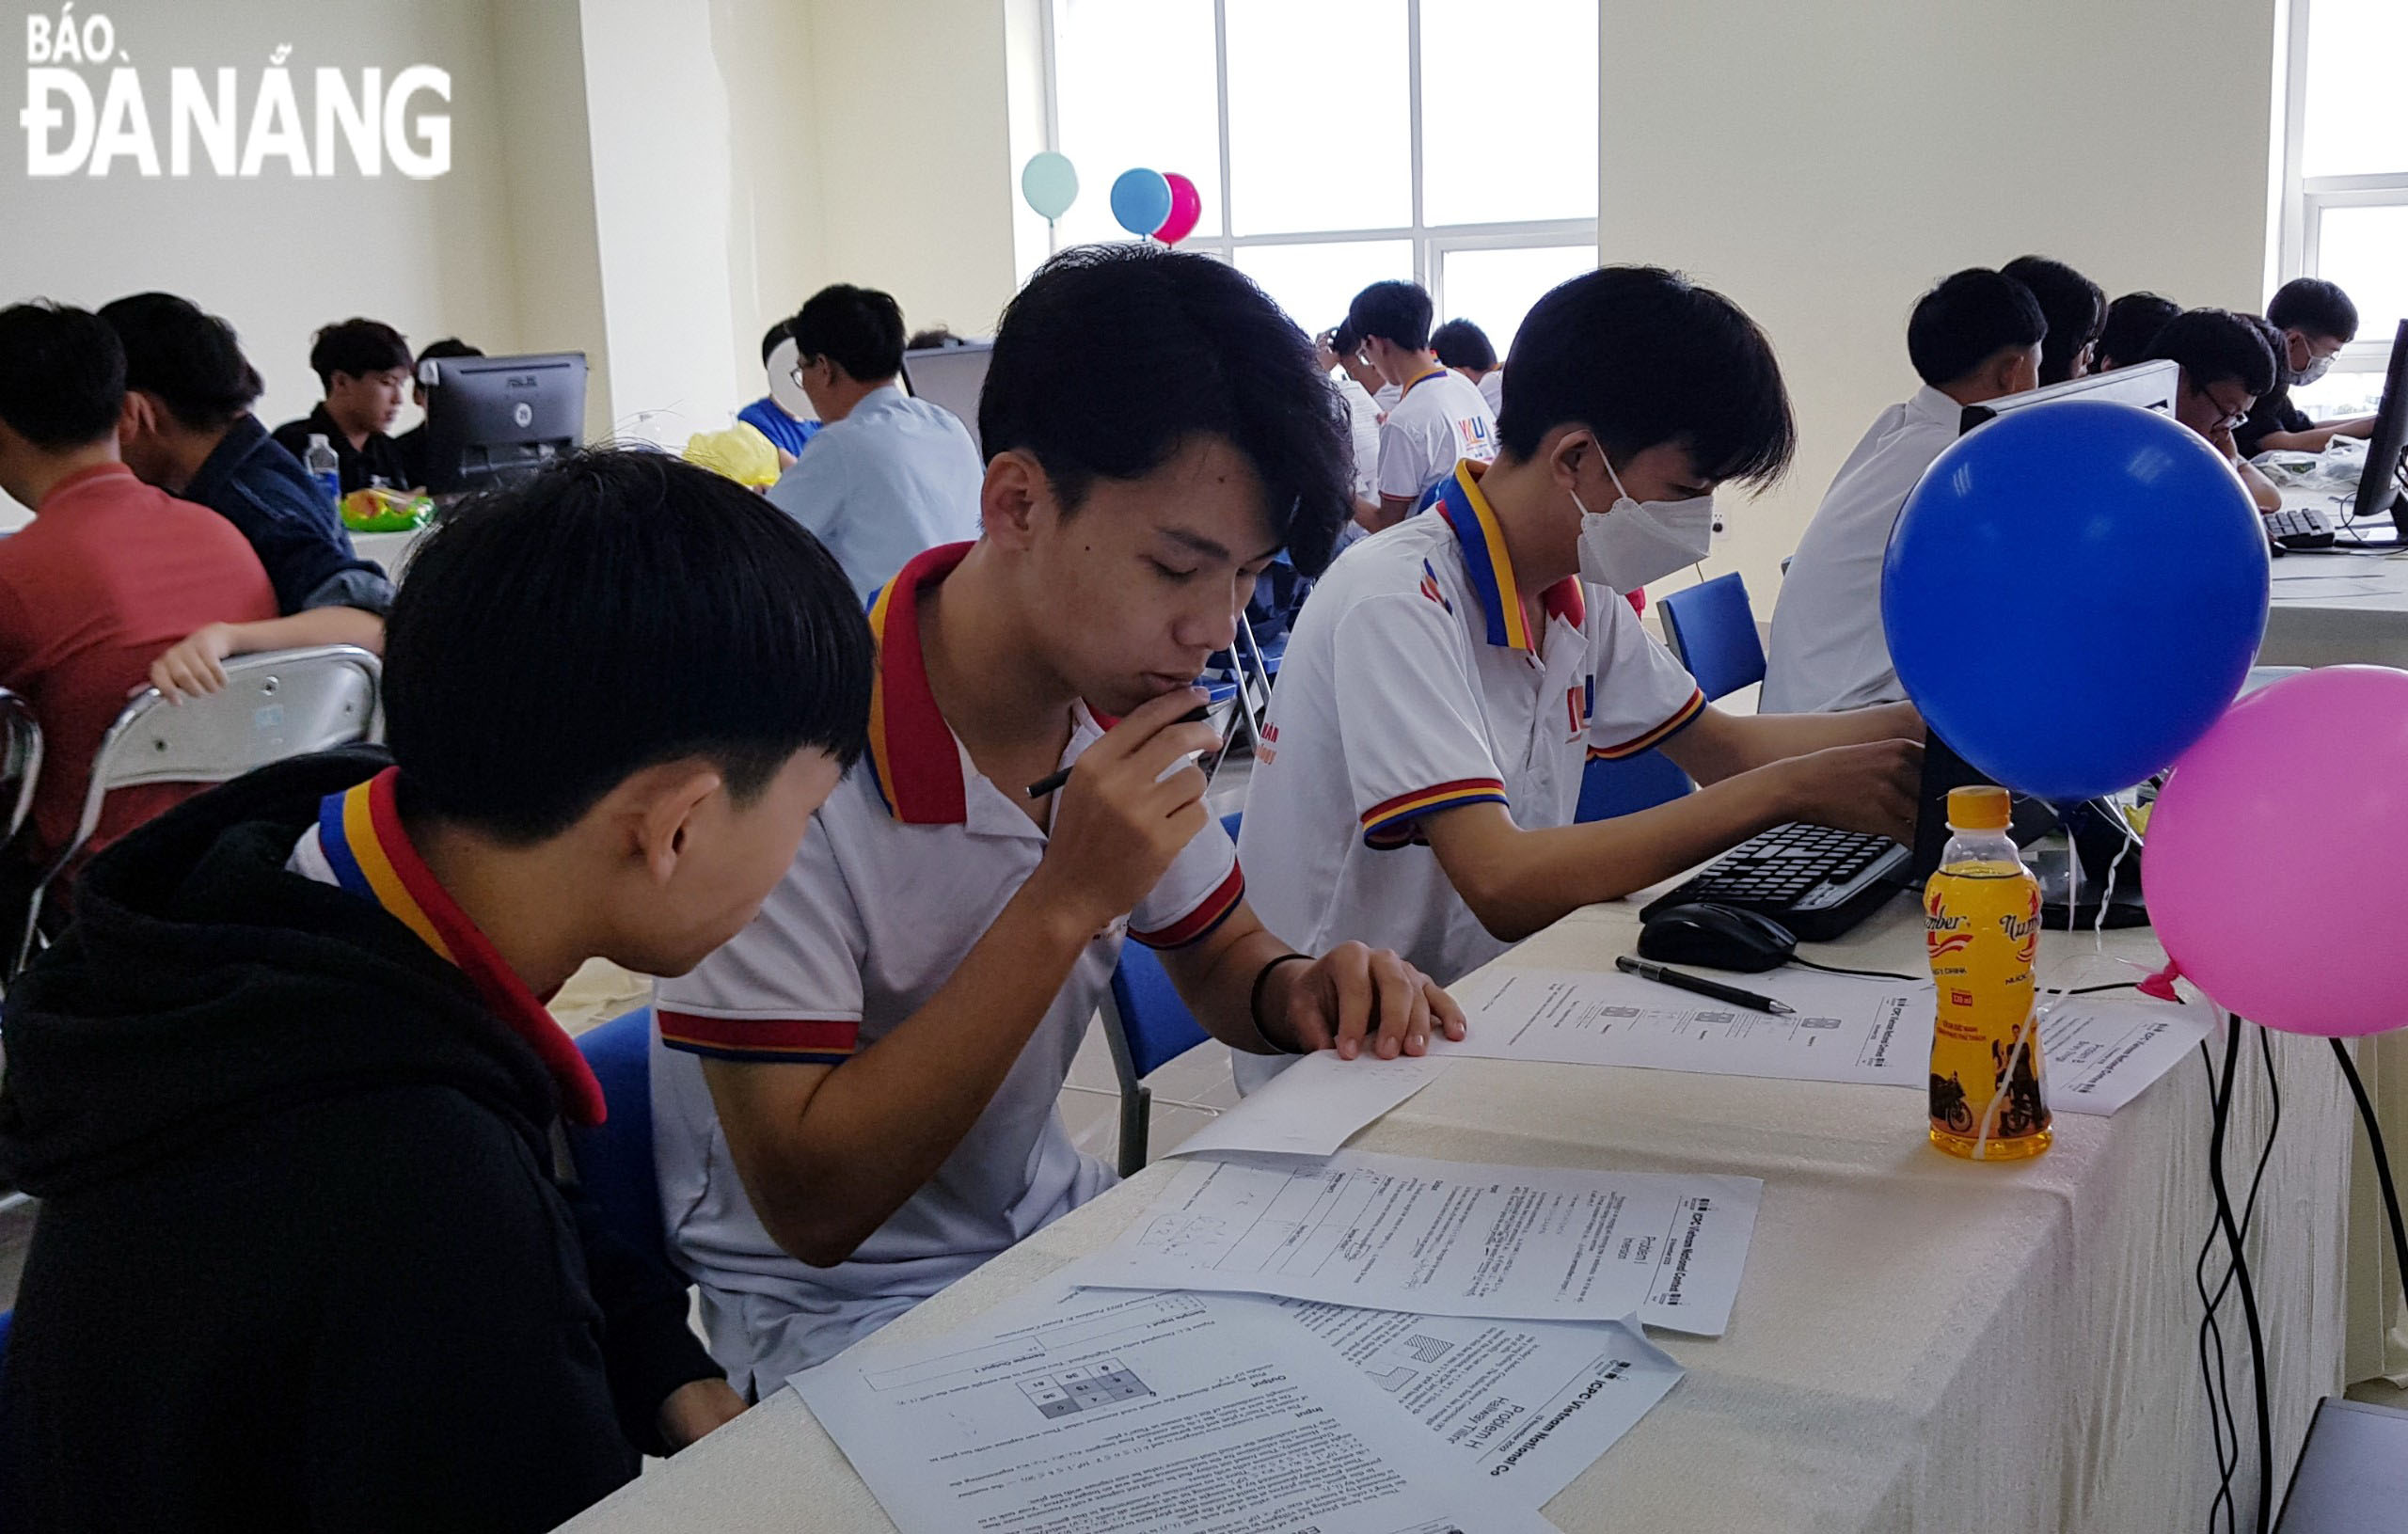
(1717, 938)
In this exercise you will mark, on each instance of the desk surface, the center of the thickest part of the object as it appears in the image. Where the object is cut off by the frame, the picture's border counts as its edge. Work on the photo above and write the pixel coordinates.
(1916, 1338)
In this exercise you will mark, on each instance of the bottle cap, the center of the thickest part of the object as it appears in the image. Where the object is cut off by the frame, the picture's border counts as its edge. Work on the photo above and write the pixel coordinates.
(317, 439)
(1979, 807)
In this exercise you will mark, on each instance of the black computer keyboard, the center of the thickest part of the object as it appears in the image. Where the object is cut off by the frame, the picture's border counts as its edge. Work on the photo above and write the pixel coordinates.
(1813, 881)
(2298, 527)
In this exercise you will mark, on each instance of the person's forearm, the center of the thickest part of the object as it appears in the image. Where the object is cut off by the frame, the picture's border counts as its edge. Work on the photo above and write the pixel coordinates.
(2261, 489)
(1518, 882)
(1216, 980)
(1719, 746)
(310, 626)
(2315, 440)
(880, 1125)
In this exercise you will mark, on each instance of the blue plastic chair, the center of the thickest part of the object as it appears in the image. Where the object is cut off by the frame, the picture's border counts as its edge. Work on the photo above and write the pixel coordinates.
(1627, 784)
(1148, 1026)
(1712, 631)
(614, 1157)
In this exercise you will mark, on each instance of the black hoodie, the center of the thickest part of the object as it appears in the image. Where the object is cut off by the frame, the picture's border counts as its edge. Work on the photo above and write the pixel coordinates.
(301, 1261)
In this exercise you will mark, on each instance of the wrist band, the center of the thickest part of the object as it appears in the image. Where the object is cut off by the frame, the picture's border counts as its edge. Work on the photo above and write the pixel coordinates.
(1254, 1002)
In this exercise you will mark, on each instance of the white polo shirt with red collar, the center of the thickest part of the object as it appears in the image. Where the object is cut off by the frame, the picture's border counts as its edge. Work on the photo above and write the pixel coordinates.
(900, 873)
(1412, 684)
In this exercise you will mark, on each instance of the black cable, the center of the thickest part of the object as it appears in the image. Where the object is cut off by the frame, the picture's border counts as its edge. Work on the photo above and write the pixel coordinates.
(2382, 1158)
(2249, 1215)
(2248, 1290)
(1868, 974)
(2216, 1372)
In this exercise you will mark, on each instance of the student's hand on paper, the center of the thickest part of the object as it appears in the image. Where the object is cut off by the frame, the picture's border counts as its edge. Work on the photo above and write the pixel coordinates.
(194, 666)
(1121, 820)
(1357, 1001)
(1870, 788)
(695, 1408)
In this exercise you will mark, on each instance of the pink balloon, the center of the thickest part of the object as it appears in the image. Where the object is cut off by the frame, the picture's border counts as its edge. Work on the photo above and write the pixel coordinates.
(2277, 860)
(1186, 208)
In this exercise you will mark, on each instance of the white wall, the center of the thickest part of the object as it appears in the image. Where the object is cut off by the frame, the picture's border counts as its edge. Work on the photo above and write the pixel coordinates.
(1824, 164)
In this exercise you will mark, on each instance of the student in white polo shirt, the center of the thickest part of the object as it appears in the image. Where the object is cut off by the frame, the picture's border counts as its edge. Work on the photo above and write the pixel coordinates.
(1438, 416)
(1447, 681)
(856, 1097)
(1465, 347)
(1976, 335)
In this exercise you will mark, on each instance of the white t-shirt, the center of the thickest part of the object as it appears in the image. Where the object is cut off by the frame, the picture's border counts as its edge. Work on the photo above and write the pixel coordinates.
(1828, 651)
(1363, 429)
(896, 476)
(1439, 419)
(1492, 388)
(1411, 686)
(902, 871)
(1386, 397)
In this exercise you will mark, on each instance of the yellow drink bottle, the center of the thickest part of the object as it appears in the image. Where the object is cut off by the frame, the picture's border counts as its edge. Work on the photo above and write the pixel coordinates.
(1982, 928)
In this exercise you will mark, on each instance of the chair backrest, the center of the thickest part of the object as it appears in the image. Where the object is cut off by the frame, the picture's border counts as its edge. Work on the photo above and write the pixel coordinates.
(20, 763)
(274, 704)
(1712, 630)
(1611, 786)
(615, 1157)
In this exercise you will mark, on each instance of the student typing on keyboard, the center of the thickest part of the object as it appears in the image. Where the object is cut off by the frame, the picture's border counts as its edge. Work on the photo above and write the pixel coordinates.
(1447, 681)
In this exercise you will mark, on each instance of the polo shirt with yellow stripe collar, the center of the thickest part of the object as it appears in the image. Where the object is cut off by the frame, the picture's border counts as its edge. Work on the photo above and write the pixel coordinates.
(901, 873)
(1413, 684)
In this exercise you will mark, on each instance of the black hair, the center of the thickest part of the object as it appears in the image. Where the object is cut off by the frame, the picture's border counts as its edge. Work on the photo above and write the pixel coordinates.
(448, 346)
(2314, 306)
(2277, 347)
(358, 347)
(2215, 344)
(859, 329)
(2073, 305)
(2132, 324)
(62, 375)
(1968, 319)
(615, 611)
(770, 338)
(1396, 312)
(1461, 343)
(188, 359)
(1345, 341)
(1641, 356)
(1219, 359)
(932, 337)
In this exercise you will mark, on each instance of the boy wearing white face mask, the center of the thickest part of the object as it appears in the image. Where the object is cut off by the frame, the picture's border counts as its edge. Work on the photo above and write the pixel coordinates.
(1447, 681)
(1976, 337)
(2316, 319)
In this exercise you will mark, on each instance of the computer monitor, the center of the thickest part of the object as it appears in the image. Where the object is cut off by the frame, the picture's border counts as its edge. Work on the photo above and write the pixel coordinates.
(2385, 480)
(494, 419)
(2148, 385)
(951, 376)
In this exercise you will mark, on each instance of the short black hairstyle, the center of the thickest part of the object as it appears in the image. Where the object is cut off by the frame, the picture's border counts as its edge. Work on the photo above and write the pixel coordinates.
(2215, 344)
(770, 338)
(2314, 306)
(1461, 343)
(1219, 359)
(358, 347)
(1968, 318)
(859, 329)
(617, 610)
(1641, 356)
(2132, 324)
(190, 361)
(1345, 341)
(62, 375)
(448, 346)
(2277, 347)
(1396, 312)
(932, 337)
(2074, 307)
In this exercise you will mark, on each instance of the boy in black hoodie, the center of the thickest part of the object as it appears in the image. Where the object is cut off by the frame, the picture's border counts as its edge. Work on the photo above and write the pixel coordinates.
(287, 1092)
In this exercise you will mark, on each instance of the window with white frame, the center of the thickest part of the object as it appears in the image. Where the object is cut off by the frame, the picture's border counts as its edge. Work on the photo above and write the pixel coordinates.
(1336, 143)
(2346, 158)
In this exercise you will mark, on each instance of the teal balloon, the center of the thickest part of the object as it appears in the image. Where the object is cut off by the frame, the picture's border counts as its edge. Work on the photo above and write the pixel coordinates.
(1050, 183)
(1141, 200)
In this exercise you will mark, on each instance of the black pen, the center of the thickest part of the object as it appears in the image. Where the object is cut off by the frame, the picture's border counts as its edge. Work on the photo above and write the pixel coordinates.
(1715, 988)
(1059, 776)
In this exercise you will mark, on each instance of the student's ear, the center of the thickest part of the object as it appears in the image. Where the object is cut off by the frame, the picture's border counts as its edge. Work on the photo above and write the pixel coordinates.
(1574, 453)
(658, 807)
(1014, 495)
(135, 417)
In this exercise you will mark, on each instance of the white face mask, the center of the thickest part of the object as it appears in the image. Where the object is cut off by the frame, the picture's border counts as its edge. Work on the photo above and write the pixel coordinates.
(2316, 369)
(1632, 543)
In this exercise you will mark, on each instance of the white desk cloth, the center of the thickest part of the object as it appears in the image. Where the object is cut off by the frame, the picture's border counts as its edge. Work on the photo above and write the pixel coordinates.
(1919, 1344)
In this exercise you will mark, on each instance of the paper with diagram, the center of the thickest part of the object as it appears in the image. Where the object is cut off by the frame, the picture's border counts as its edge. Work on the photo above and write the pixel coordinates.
(2099, 1055)
(1446, 1238)
(1182, 1413)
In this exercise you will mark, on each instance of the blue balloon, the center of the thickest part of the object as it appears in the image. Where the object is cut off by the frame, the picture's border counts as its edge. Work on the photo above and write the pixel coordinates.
(2073, 594)
(1141, 200)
